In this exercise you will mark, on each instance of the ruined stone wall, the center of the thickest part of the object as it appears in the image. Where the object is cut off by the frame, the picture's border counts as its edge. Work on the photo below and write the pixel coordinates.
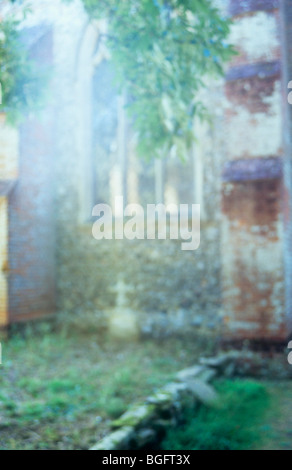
(30, 158)
(165, 289)
(168, 290)
(31, 259)
(252, 225)
(27, 259)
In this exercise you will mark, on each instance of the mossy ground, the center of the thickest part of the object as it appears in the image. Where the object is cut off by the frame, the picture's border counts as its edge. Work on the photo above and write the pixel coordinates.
(59, 392)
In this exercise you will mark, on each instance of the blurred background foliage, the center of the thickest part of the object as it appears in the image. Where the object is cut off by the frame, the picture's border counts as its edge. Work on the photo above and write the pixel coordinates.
(22, 82)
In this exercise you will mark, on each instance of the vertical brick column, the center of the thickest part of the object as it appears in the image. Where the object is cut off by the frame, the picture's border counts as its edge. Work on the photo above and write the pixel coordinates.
(252, 264)
(31, 207)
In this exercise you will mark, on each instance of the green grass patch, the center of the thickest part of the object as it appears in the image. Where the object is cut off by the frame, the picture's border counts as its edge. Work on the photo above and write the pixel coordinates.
(59, 392)
(234, 425)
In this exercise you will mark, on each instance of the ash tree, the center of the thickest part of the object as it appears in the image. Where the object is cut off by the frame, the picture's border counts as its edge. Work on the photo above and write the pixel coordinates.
(161, 51)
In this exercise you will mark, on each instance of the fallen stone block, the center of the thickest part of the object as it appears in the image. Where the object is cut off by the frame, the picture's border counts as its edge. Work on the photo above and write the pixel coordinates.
(135, 416)
(198, 372)
(204, 392)
(190, 373)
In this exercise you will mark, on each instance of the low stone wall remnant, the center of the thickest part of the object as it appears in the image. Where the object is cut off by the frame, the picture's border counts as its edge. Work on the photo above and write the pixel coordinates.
(144, 426)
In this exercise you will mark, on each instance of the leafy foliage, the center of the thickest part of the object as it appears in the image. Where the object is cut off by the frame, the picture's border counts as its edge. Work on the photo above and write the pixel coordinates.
(162, 50)
(22, 82)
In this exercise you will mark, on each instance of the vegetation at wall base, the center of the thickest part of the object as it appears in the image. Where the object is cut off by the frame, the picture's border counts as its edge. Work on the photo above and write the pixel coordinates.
(235, 425)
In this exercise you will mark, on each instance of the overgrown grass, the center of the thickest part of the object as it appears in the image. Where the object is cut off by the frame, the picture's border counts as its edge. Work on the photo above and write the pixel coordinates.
(59, 392)
(234, 425)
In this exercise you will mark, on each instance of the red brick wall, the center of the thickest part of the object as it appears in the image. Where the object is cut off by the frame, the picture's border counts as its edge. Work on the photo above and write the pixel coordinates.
(252, 231)
(31, 210)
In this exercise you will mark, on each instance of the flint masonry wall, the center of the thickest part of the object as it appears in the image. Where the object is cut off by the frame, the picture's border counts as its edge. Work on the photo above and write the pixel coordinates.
(167, 289)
